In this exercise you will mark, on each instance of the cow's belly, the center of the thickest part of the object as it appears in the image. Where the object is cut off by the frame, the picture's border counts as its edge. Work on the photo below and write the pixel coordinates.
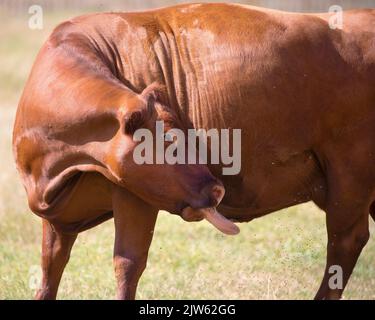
(267, 185)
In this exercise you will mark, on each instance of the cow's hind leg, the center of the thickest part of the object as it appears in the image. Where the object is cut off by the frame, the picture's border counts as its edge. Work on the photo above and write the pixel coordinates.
(134, 226)
(56, 247)
(343, 249)
(350, 194)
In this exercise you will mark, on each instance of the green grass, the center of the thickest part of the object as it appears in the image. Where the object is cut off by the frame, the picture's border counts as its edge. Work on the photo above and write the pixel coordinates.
(280, 256)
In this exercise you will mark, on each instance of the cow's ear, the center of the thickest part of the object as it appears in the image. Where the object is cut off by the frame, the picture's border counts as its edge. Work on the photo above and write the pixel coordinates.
(142, 110)
(156, 92)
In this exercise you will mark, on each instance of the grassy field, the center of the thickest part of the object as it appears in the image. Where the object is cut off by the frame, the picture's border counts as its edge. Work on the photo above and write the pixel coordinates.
(280, 256)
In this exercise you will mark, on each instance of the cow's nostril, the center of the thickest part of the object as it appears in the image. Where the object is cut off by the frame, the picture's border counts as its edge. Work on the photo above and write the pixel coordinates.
(218, 193)
(214, 194)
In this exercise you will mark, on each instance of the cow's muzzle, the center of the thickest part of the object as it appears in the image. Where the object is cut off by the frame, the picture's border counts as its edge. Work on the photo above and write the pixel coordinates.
(214, 194)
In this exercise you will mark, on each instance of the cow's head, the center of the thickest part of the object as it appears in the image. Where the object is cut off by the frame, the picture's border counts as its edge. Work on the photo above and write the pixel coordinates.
(189, 190)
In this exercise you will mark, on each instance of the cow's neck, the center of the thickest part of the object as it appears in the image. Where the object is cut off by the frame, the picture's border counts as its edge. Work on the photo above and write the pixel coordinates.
(194, 95)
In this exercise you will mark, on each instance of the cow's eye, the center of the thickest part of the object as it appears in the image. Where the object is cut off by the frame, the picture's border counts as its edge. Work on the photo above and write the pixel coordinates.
(134, 121)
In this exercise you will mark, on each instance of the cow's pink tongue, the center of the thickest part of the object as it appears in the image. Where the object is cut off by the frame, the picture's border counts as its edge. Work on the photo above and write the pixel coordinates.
(212, 216)
(220, 222)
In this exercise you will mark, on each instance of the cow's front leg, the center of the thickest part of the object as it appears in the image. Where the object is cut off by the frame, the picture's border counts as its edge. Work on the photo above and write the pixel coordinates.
(56, 247)
(134, 227)
(343, 249)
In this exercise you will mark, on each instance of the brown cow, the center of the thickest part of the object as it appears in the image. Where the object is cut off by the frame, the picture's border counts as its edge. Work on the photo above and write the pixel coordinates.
(301, 92)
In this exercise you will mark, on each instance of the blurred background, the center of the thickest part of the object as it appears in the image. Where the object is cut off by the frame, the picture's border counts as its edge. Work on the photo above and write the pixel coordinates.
(19, 6)
(281, 256)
